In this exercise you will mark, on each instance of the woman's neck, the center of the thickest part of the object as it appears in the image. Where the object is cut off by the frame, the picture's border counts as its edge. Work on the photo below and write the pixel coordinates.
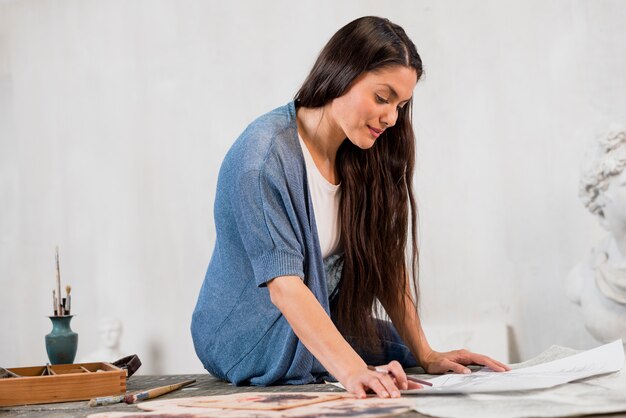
(322, 137)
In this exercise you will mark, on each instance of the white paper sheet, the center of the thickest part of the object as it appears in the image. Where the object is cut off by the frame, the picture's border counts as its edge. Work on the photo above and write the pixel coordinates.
(595, 395)
(604, 359)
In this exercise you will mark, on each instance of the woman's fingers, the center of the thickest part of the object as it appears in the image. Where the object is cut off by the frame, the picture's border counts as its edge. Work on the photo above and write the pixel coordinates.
(414, 385)
(503, 367)
(380, 382)
(390, 387)
(375, 383)
(398, 373)
(449, 365)
(456, 361)
(506, 367)
(489, 362)
(359, 392)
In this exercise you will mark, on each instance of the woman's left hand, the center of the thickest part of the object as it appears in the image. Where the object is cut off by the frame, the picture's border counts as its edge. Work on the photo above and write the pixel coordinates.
(455, 361)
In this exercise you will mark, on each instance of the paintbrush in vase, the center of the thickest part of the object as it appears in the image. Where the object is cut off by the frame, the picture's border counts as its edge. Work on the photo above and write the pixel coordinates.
(58, 305)
(68, 300)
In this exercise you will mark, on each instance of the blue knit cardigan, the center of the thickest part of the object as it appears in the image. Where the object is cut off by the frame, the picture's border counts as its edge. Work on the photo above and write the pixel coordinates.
(265, 228)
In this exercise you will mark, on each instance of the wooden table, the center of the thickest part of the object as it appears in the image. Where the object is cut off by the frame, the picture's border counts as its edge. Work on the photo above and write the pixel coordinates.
(205, 385)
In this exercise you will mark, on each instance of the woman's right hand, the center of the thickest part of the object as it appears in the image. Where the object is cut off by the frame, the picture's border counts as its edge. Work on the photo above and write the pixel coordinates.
(311, 323)
(384, 385)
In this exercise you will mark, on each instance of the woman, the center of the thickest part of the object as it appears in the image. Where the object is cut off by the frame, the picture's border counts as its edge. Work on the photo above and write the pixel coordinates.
(312, 213)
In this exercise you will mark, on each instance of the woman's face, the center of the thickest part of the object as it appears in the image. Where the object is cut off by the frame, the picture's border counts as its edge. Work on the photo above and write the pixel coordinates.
(371, 104)
(615, 204)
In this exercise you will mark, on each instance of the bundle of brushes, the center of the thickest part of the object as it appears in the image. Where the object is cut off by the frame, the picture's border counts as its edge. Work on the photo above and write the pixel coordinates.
(61, 306)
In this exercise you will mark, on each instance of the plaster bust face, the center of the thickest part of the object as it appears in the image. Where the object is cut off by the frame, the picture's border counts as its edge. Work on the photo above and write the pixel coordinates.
(371, 103)
(613, 202)
(607, 163)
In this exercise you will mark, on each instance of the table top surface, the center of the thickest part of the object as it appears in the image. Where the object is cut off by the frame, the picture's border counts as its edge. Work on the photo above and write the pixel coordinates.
(205, 385)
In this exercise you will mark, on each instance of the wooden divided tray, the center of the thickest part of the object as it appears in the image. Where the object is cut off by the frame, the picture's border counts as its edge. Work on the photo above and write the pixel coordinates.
(61, 383)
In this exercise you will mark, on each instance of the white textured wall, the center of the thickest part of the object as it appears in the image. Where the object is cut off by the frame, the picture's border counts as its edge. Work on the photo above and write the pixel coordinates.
(115, 116)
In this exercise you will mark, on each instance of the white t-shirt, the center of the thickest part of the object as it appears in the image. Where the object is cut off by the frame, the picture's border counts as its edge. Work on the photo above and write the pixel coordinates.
(325, 196)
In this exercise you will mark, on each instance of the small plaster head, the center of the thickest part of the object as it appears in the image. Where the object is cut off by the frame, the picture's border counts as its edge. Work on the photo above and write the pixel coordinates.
(110, 331)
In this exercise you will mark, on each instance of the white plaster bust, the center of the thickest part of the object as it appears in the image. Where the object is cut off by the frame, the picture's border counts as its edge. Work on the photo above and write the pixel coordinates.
(110, 332)
(598, 284)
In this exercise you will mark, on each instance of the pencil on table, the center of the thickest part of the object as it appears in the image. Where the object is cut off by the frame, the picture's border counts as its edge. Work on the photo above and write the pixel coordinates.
(411, 378)
(420, 381)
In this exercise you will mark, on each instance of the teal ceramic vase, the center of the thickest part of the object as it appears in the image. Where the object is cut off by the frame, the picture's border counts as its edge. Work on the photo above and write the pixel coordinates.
(62, 342)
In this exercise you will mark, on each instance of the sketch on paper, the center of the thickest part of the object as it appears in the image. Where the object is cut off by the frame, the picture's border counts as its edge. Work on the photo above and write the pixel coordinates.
(604, 359)
(262, 400)
(344, 406)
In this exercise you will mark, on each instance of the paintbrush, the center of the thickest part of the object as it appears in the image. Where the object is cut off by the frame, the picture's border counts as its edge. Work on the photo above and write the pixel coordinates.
(68, 307)
(138, 396)
(59, 311)
(54, 302)
(153, 393)
(106, 400)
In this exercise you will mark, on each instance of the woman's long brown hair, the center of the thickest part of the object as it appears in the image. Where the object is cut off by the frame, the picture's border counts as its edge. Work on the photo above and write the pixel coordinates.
(377, 207)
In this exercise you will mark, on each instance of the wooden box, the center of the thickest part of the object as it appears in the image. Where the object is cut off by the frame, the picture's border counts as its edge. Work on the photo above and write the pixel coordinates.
(61, 383)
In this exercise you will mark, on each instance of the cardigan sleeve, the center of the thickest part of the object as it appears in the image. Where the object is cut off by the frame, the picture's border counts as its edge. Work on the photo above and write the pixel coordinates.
(267, 224)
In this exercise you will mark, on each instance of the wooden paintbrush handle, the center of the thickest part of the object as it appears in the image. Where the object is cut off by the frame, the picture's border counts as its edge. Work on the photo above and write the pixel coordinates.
(153, 393)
